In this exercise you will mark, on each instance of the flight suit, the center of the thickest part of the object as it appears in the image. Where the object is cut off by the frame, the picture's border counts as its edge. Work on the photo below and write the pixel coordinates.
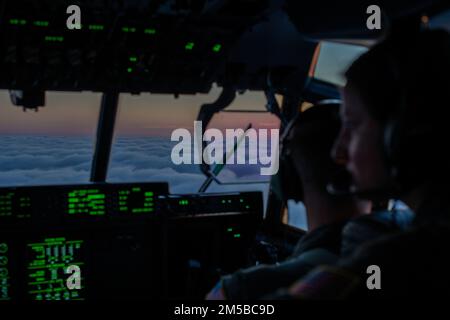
(319, 246)
(412, 263)
(323, 246)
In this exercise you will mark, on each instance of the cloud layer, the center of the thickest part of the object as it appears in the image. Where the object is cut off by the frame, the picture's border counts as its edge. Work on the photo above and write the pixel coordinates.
(35, 160)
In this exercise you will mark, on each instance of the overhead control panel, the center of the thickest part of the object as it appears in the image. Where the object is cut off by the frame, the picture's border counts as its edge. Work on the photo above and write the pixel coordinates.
(126, 46)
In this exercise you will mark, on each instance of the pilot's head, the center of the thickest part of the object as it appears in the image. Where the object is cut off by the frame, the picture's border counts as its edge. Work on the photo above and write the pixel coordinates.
(394, 125)
(307, 146)
(306, 167)
(306, 164)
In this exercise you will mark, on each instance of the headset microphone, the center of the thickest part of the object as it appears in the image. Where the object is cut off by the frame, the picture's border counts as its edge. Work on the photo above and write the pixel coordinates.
(341, 185)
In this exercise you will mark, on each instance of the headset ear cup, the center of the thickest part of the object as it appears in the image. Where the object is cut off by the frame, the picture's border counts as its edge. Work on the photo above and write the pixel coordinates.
(391, 145)
(291, 187)
(401, 158)
(295, 184)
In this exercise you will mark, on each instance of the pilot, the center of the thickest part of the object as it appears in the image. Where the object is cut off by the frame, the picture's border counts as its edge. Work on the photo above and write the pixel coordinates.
(393, 142)
(305, 152)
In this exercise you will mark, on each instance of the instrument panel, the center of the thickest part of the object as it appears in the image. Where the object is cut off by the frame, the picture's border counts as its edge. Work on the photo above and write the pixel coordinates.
(128, 241)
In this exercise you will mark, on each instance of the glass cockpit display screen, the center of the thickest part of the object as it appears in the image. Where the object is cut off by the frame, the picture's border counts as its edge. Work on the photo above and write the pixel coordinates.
(54, 269)
(67, 202)
(95, 202)
(79, 242)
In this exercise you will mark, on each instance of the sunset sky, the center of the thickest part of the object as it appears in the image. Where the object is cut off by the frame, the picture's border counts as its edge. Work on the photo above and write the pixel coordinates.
(140, 115)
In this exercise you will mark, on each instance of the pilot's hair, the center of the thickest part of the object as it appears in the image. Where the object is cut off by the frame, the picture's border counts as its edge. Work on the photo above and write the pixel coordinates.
(404, 83)
(314, 132)
(411, 69)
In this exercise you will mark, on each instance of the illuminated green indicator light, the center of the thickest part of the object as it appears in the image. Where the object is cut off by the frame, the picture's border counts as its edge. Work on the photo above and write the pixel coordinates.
(143, 210)
(217, 48)
(150, 31)
(223, 201)
(3, 247)
(237, 235)
(230, 229)
(17, 22)
(183, 202)
(247, 207)
(189, 46)
(90, 202)
(136, 189)
(128, 29)
(41, 23)
(54, 39)
(149, 194)
(96, 27)
(241, 200)
(130, 70)
(96, 196)
(133, 59)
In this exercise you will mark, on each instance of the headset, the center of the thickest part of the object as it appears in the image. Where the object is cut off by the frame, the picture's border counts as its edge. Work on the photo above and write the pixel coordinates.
(290, 185)
(289, 179)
